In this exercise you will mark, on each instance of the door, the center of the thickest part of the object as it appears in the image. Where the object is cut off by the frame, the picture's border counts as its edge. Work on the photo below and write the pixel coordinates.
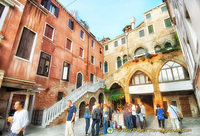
(148, 103)
(81, 109)
(79, 80)
(185, 106)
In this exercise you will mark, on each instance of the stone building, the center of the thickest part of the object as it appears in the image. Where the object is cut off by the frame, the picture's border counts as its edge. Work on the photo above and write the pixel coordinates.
(47, 56)
(184, 15)
(146, 63)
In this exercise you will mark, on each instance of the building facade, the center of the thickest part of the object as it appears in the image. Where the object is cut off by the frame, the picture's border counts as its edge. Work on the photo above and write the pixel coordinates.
(146, 63)
(184, 16)
(45, 54)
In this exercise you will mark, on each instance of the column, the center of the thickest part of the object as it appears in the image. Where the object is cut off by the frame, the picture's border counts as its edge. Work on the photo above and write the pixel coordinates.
(157, 94)
(27, 101)
(127, 95)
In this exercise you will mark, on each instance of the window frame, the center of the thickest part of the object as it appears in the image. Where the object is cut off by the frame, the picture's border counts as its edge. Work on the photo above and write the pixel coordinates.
(104, 67)
(124, 40)
(153, 29)
(92, 78)
(106, 49)
(93, 46)
(100, 65)
(165, 23)
(82, 53)
(66, 44)
(116, 45)
(93, 59)
(69, 69)
(82, 38)
(140, 33)
(148, 15)
(52, 33)
(68, 24)
(164, 7)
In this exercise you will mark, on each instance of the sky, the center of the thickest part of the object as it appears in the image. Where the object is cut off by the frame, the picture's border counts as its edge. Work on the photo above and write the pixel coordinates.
(107, 18)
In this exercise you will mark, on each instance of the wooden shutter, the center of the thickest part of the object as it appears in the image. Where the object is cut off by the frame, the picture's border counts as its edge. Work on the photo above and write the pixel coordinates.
(68, 44)
(49, 31)
(57, 12)
(48, 4)
(25, 44)
(1, 9)
(81, 52)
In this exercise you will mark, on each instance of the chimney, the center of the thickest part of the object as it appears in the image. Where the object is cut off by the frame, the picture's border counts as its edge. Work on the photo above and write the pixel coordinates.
(74, 14)
(132, 21)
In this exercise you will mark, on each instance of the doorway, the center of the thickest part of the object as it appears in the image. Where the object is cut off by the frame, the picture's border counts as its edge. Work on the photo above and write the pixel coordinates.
(81, 109)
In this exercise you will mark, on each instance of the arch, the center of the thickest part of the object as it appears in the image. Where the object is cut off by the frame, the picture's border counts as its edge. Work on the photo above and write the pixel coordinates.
(168, 44)
(157, 48)
(173, 71)
(125, 59)
(139, 52)
(101, 98)
(82, 109)
(119, 62)
(117, 82)
(105, 67)
(79, 79)
(139, 78)
(91, 102)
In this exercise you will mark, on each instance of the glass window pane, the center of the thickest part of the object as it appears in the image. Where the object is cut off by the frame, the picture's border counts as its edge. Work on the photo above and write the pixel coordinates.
(137, 81)
(160, 77)
(169, 74)
(181, 73)
(175, 73)
(142, 79)
(164, 74)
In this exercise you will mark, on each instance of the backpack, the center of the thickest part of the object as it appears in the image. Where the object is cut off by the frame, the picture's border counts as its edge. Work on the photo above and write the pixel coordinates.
(160, 114)
(96, 114)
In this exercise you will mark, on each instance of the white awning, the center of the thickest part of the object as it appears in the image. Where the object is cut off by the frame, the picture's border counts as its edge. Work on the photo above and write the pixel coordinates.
(141, 89)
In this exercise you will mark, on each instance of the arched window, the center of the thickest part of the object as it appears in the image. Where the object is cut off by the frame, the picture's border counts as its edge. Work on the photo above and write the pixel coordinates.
(119, 62)
(125, 59)
(173, 71)
(139, 52)
(140, 78)
(79, 80)
(105, 67)
(168, 45)
(157, 48)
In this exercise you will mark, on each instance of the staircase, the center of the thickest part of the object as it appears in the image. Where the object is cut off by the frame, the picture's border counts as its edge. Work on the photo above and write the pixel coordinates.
(50, 114)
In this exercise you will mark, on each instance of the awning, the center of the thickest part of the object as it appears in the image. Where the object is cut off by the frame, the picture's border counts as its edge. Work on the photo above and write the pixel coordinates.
(141, 89)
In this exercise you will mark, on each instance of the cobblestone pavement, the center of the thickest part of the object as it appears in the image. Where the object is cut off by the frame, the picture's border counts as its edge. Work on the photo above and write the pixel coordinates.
(188, 123)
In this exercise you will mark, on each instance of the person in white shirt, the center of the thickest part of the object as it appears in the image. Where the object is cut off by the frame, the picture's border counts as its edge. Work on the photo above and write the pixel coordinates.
(174, 115)
(20, 119)
(134, 115)
(142, 107)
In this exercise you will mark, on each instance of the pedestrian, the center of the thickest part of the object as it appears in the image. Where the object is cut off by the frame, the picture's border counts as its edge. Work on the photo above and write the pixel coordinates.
(143, 112)
(134, 115)
(175, 116)
(94, 106)
(101, 109)
(96, 120)
(128, 116)
(139, 115)
(19, 120)
(87, 119)
(69, 130)
(160, 116)
(110, 112)
(105, 119)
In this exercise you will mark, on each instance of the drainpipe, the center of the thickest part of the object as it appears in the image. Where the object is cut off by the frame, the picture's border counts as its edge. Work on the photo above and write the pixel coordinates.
(87, 56)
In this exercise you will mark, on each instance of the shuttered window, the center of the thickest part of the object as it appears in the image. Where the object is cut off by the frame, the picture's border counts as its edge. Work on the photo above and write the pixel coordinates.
(150, 28)
(49, 31)
(71, 24)
(51, 7)
(66, 71)
(141, 33)
(69, 44)
(1, 9)
(92, 59)
(92, 43)
(168, 22)
(44, 64)
(82, 34)
(105, 67)
(92, 78)
(81, 52)
(26, 44)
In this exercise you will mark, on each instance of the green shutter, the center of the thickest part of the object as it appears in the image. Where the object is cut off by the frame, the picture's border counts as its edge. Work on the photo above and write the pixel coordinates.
(150, 28)
(168, 22)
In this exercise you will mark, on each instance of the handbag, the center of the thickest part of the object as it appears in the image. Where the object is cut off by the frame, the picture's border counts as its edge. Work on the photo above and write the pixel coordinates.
(86, 115)
(165, 116)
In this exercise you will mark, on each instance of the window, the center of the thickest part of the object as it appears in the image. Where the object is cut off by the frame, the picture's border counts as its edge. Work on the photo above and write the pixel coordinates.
(106, 47)
(69, 44)
(125, 59)
(66, 71)
(139, 52)
(148, 15)
(116, 43)
(172, 71)
(25, 47)
(168, 45)
(92, 43)
(119, 62)
(91, 78)
(141, 33)
(60, 96)
(139, 78)
(82, 34)
(105, 67)
(2, 7)
(71, 24)
(168, 22)
(81, 51)
(100, 65)
(92, 59)
(123, 40)
(51, 7)
(157, 48)
(164, 8)
(100, 50)
(150, 29)
(44, 64)
(49, 31)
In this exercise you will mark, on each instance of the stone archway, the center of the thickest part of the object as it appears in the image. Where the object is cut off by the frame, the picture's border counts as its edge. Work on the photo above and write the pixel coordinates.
(91, 102)
(101, 98)
(81, 109)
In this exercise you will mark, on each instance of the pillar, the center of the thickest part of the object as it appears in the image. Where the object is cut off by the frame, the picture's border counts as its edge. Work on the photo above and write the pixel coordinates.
(127, 95)
(27, 101)
(157, 94)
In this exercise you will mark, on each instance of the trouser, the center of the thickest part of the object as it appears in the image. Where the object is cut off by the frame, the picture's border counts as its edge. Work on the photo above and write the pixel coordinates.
(105, 125)
(87, 120)
(101, 120)
(176, 124)
(129, 124)
(20, 134)
(95, 122)
(161, 123)
(140, 122)
(134, 121)
(69, 129)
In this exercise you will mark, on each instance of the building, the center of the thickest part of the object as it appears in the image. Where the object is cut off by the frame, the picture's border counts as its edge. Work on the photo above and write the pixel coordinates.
(46, 54)
(147, 65)
(184, 16)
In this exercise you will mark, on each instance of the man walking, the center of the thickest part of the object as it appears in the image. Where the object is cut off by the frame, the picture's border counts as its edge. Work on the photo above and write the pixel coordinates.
(134, 115)
(20, 119)
(69, 130)
(175, 116)
(96, 120)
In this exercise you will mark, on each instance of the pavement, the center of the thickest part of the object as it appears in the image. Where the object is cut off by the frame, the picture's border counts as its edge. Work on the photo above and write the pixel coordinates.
(189, 124)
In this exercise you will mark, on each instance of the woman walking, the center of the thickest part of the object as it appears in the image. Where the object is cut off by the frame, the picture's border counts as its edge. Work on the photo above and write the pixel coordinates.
(160, 116)
(139, 115)
(105, 119)
(87, 119)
